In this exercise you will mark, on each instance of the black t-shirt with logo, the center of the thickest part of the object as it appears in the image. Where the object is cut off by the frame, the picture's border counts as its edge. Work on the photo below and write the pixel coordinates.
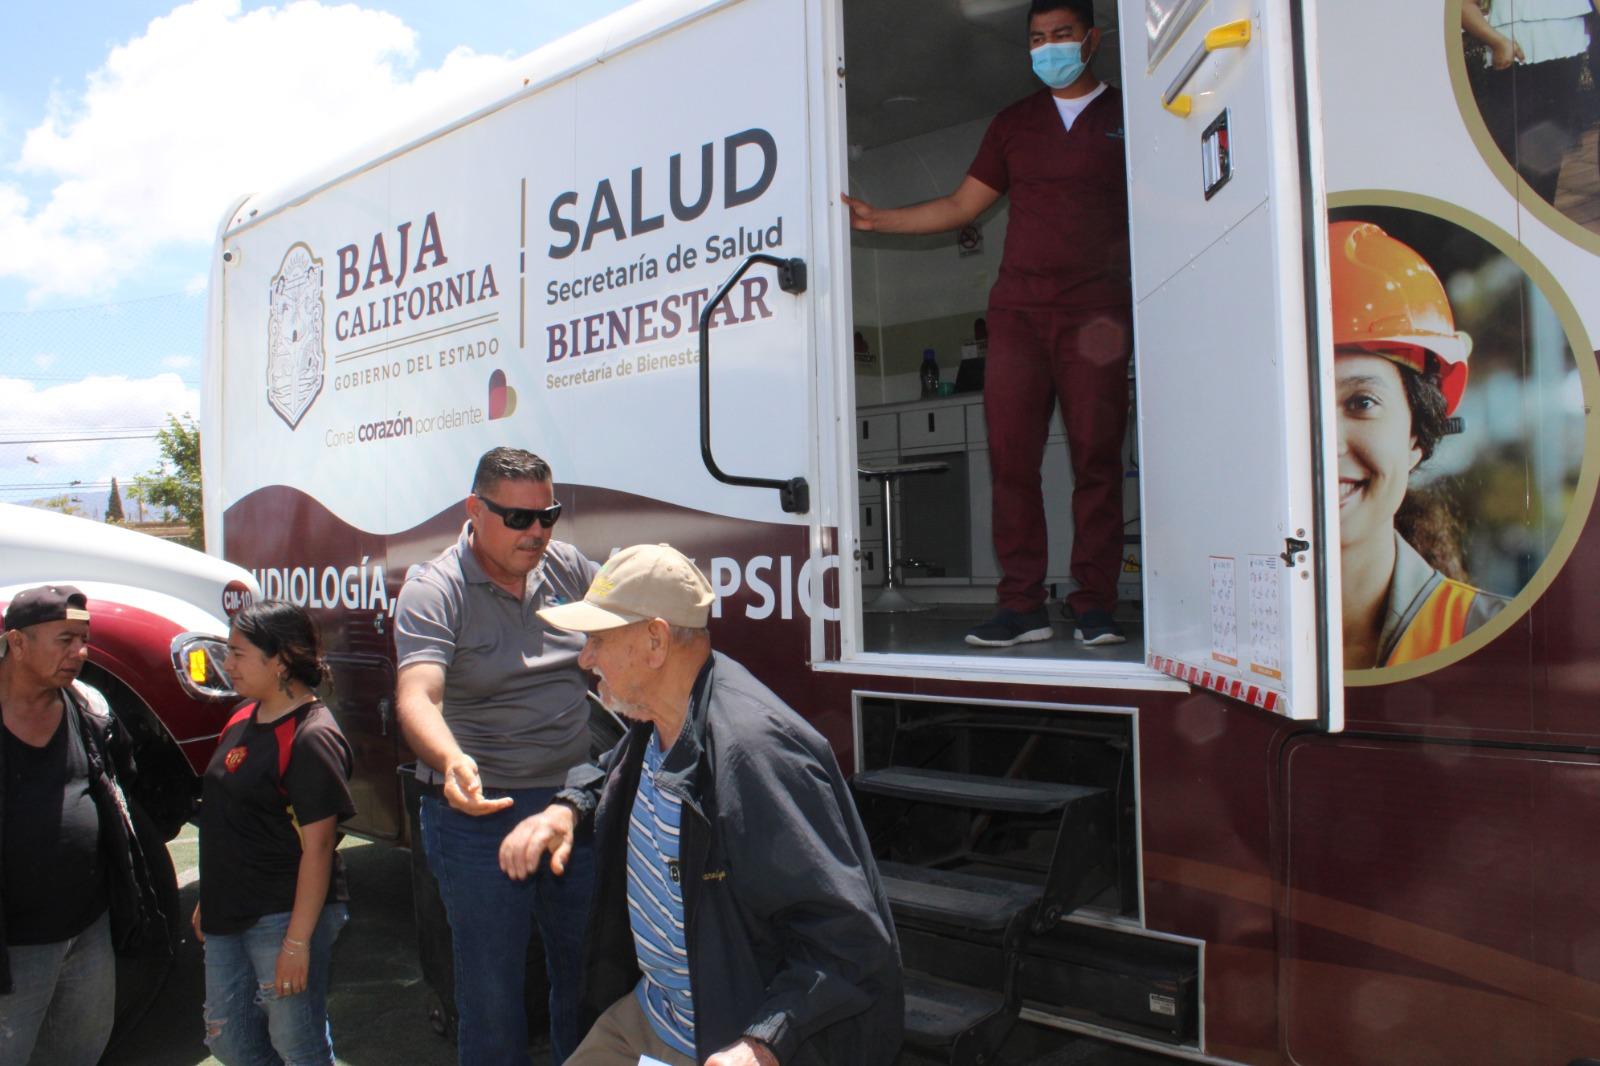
(55, 882)
(263, 783)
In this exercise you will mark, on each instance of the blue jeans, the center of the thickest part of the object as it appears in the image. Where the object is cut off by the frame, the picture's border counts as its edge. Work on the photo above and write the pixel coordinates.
(64, 1002)
(247, 1022)
(491, 919)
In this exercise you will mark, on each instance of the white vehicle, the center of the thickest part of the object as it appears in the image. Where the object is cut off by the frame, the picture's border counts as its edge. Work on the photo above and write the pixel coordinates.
(157, 636)
(1239, 836)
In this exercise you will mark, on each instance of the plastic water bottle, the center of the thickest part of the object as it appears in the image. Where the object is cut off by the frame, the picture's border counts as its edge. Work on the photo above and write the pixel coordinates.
(930, 374)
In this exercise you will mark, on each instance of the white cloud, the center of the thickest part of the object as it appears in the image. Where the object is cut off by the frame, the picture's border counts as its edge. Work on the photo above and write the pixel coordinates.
(44, 360)
(179, 362)
(209, 103)
(37, 419)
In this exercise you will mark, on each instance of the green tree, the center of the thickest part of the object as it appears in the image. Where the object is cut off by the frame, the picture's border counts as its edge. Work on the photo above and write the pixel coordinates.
(175, 482)
(114, 504)
(66, 503)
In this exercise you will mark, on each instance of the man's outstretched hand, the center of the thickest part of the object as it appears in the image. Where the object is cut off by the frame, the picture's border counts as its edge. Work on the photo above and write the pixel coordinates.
(551, 830)
(463, 788)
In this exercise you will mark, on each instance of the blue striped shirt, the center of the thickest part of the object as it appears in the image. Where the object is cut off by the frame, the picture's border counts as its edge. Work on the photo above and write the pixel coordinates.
(655, 908)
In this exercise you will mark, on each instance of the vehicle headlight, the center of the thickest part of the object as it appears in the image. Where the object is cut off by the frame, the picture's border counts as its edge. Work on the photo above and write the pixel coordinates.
(197, 660)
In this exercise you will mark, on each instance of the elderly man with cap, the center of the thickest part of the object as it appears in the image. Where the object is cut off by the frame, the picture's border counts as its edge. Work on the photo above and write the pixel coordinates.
(738, 917)
(57, 969)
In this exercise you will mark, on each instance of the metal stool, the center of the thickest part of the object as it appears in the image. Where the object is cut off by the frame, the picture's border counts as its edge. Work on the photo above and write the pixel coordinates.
(890, 600)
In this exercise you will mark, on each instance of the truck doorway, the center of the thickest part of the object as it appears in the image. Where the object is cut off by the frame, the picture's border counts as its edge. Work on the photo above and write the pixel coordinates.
(1229, 569)
(924, 82)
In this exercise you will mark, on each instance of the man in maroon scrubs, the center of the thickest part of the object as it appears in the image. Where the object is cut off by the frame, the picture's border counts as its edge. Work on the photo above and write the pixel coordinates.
(1060, 321)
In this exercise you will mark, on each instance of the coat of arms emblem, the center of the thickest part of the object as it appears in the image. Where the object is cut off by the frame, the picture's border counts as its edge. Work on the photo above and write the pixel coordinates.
(295, 354)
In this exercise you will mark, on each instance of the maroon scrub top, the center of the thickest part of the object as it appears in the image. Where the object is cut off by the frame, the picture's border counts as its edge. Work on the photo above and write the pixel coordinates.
(1067, 238)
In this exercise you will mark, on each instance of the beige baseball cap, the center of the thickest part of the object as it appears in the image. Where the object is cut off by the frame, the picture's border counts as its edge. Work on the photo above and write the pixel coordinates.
(637, 584)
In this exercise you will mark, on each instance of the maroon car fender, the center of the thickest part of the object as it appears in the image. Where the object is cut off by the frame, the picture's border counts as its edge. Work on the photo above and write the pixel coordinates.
(134, 646)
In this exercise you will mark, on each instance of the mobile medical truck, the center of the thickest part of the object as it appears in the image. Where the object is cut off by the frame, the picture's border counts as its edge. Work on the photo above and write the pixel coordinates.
(1241, 836)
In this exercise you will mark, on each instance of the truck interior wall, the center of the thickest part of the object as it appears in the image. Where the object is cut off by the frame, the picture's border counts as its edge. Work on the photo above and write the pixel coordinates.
(912, 293)
(921, 284)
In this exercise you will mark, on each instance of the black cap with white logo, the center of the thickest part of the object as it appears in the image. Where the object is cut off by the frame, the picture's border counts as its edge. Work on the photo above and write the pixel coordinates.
(47, 603)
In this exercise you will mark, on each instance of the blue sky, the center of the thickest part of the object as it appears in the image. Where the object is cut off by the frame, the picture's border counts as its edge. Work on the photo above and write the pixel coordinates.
(119, 152)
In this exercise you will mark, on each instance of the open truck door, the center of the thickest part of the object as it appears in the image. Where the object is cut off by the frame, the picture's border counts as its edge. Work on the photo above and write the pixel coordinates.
(1236, 420)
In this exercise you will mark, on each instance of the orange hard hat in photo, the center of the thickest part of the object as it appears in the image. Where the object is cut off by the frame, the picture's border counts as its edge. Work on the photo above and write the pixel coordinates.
(1387, 300)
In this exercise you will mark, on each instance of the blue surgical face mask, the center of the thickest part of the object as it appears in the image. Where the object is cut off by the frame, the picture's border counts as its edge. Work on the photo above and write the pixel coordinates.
(1058, 65)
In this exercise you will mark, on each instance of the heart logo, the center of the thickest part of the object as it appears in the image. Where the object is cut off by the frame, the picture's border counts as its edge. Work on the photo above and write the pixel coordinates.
(502, 397)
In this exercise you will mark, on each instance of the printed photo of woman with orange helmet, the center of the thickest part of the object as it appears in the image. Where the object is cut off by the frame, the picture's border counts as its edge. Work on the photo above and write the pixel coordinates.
(1400, 370)
(1462, 428)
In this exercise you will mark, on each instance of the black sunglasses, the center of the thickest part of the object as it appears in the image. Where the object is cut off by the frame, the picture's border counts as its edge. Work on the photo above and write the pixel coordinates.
(523, 517)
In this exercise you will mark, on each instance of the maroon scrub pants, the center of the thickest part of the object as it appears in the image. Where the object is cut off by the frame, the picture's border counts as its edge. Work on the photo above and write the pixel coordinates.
(1035, 359)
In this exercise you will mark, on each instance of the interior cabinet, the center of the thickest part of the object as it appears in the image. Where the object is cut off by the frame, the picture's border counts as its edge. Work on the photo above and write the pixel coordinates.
(947, 517)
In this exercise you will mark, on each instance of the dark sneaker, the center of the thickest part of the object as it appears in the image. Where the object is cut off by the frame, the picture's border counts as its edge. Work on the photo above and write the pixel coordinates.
(1011, 627)
(1098, 627)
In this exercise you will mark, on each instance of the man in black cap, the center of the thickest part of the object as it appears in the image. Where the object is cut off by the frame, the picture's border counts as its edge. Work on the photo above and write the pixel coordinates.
(57, 969)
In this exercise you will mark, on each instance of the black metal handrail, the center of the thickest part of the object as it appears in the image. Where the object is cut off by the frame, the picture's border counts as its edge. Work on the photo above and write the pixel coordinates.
(794, 494)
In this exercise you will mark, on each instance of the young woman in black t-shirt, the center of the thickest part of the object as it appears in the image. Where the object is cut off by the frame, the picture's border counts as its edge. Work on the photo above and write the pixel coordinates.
(272, 890)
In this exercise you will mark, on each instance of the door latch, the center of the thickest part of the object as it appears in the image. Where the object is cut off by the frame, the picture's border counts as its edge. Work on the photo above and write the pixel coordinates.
(1293, 548)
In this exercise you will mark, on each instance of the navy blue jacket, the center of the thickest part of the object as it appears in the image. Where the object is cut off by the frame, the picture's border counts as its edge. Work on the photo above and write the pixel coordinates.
(788, 929)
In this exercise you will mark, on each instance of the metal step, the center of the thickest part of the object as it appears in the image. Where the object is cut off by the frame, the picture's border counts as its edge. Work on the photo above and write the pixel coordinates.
(938, 1013)
(1086, 1051)
(948, 897)
(971, 790)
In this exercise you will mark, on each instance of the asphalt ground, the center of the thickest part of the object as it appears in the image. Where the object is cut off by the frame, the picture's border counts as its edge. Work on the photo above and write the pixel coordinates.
(378, 1005)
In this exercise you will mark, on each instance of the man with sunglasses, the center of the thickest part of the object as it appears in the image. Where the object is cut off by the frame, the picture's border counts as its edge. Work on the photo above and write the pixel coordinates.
(493, 703)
